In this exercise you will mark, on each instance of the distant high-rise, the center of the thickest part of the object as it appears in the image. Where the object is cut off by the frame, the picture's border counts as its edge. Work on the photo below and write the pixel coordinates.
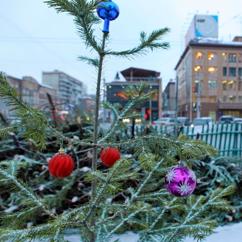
(69, 89)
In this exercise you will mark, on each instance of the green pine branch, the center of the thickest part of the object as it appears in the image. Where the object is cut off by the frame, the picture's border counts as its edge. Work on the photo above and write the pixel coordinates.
(150, 42)
(84, 17)
(28, 193)
(4, 132)
(33, 122)
(90, 61)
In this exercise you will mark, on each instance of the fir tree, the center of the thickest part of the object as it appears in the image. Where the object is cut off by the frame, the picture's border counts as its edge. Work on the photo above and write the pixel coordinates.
(128, 196)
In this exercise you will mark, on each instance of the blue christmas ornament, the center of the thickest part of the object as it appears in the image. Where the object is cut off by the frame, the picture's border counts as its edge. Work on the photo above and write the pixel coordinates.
(107, 11)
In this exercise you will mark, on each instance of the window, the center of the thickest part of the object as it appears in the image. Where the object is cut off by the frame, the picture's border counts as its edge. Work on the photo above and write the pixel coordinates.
(240, 85)
(232, 98)
(232, 58)
(224, 84)
(198, 86)
(224, 71)
(199, 55)
(232, 71)
(240, 58)
(212, 69)
(228, 84)
(240, 98)
(212, 84)
(211, 56)
(197, 68)
(224, 98)
(240, 72)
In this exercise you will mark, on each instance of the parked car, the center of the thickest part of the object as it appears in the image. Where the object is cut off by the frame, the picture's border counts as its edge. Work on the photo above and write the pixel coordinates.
(167, 124)
(199, 123)
(238, 120)
(183, 121)
(227, 119)
(164, 121)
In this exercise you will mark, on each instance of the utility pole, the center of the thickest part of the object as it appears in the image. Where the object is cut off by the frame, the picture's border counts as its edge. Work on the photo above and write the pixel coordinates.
(176, 112)
(104, 99)
(198, 99)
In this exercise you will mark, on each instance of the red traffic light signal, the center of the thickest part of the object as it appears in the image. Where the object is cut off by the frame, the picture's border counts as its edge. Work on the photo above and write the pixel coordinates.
(147, 114)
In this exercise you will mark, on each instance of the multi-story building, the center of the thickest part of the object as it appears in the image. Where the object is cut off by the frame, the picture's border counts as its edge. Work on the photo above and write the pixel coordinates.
(169, 99)
(136, 76)
(209, 74)
(30, 92)
(69, 89)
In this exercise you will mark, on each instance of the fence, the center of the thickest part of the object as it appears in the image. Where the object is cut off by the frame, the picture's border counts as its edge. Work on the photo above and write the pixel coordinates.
(226, 138)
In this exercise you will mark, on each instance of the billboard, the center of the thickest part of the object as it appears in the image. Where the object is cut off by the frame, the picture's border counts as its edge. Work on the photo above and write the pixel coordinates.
(202, 26)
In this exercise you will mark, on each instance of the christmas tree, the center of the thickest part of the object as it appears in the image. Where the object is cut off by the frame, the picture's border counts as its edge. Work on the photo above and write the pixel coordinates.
(142, 184)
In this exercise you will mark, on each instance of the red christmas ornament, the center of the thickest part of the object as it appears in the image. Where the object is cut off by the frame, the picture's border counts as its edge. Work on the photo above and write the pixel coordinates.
(109, 156)
(61, 165)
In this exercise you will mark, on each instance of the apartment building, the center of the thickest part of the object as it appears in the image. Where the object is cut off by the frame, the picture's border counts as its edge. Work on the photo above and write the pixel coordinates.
(30, 91)
(209, 76)
(69, 89)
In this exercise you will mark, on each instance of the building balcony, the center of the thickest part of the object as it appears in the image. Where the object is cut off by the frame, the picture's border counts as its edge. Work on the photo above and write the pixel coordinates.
(142, 79)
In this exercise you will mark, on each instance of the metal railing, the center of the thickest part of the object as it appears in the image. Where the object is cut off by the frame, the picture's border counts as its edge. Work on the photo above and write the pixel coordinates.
(225, 138)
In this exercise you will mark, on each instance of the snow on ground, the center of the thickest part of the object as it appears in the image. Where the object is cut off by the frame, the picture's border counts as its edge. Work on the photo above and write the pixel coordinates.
(229, 233)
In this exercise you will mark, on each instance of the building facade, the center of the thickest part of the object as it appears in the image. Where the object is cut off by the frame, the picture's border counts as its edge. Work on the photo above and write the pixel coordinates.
(136, 76)
(169, 99)
(209, 74)
(69, 89)
(30, 92)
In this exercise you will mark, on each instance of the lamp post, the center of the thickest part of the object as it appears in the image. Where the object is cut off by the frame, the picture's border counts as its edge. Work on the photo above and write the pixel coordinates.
(198, 99)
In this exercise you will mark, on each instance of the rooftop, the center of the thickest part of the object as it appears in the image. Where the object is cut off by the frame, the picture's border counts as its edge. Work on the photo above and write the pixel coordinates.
(215, 43)
(139, 72)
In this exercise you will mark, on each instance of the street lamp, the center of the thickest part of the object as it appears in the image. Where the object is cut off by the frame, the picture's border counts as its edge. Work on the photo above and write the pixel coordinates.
(198, 85)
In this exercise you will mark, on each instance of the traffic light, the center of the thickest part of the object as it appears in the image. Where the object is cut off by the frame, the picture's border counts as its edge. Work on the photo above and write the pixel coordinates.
(147, 114)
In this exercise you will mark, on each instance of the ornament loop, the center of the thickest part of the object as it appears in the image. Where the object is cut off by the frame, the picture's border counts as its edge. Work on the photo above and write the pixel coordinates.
(61, 151)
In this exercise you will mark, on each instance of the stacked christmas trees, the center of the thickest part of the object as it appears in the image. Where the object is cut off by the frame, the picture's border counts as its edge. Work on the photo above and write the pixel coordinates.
(143, 184)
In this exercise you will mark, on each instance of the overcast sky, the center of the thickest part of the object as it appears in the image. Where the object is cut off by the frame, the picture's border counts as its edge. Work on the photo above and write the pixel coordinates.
(34, 38)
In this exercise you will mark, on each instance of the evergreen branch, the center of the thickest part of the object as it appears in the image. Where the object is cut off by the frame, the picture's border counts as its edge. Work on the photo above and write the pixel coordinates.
(159, 217)
(26, 191)
(10, 95)
(90, 61)
(146, 43)
(127, 109)
(83, 13)
(109, 105)
(125, 220)
(38, 232)
(150, 174)
(32, 120)
(100, 191)
(216, 195)
(62, 6)
(4, 132)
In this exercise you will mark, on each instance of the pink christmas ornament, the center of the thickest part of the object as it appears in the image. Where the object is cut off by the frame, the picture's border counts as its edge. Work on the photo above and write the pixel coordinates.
(180, 181)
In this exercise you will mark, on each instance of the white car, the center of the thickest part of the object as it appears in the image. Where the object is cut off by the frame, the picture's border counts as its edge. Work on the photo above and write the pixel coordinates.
(199, 123)
(237, 120)
(164, 121)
